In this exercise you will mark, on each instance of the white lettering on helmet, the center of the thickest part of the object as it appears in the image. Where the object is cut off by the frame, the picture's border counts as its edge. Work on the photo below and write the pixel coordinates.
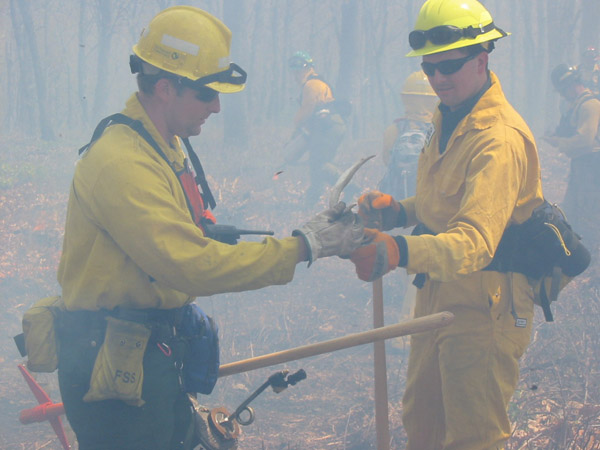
(180, 44)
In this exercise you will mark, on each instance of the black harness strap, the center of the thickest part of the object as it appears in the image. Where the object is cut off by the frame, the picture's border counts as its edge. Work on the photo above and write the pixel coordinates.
(200, 176)
(138, 127)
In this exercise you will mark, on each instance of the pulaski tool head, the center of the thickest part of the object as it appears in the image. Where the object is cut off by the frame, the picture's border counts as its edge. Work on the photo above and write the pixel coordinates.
(343, 180)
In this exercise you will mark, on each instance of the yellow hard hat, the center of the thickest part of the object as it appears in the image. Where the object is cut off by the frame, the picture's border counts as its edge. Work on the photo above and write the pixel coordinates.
(450, 24)
(418, 98)
(417, 84)
(192, 44)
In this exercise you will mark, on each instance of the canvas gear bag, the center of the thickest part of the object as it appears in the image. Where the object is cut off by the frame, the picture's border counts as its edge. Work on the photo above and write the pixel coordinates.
(118, 370)
(39, 337)
(544, 248)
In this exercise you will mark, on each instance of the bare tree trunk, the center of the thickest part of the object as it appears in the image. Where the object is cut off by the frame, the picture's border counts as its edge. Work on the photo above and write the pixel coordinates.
(235, 122)
(18, 96)
(103, 8)
(29, 40)
(348, 79)
(82, 64)
(590, 31)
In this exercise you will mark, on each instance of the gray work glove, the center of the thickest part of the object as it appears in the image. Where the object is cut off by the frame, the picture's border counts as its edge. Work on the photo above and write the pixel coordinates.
(335, 231)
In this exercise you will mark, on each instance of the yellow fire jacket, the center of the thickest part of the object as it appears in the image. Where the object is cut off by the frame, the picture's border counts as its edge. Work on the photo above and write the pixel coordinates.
(487, 178)
(130, 240)
(314, 92)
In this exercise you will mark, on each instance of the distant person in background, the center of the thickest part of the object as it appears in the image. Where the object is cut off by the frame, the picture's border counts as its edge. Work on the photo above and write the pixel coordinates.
(578, 137)
(589, 70)
(404, 140)
(319, 127)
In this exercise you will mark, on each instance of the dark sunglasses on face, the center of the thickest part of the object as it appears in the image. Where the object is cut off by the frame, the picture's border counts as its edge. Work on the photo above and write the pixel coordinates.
(206, 94)
(447, 67)
(445, 34)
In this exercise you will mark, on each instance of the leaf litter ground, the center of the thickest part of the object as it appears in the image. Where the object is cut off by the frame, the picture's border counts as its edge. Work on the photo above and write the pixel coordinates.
(556, 406)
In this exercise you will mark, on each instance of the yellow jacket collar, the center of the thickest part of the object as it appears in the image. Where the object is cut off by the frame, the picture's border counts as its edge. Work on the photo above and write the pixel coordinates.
(485, 112)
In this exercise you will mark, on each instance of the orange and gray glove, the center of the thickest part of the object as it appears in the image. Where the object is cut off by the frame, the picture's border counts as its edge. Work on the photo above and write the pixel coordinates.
(378, 257)
(380, 211)
(335, 231)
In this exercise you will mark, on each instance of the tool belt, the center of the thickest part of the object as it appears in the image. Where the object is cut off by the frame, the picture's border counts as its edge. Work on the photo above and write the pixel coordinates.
(123, 336)
(120, 338)
(543, 248)
(73, 324)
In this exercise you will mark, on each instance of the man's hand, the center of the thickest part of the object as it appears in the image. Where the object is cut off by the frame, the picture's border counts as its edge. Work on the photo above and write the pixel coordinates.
(378, 257)
(379, 210)
(335, 231)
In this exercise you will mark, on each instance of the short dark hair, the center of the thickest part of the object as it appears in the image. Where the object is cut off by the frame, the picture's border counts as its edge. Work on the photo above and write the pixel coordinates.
(146, 82)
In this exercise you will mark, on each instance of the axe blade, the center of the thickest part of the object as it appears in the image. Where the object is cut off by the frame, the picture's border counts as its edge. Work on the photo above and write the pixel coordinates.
(344, 179)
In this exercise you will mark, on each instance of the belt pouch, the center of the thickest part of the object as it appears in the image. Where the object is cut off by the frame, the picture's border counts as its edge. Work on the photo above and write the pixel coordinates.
(118, 369)
(39, 331)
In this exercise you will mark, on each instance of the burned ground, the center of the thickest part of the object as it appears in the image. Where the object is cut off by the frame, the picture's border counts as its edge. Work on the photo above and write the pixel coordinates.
(556, 406)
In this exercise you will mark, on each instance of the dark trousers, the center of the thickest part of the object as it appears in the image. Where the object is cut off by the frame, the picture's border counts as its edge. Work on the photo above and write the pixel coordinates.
(161, 423)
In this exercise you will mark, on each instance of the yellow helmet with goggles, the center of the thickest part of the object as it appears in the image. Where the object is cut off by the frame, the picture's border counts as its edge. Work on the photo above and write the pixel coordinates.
(192, 44)
(444, 25)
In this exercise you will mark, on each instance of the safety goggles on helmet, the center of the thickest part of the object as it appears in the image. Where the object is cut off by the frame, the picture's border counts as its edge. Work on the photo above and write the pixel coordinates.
(446, 34)
(234, 75)
(446, 67)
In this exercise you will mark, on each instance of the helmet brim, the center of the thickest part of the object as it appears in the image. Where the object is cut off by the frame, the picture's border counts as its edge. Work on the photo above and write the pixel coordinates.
(461, 43)
(226, 88)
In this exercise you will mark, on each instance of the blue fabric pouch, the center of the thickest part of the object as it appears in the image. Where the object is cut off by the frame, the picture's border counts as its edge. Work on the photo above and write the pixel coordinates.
(201, 361)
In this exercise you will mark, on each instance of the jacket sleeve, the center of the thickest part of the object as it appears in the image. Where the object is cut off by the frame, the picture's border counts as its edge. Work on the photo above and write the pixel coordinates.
(491, 188)
(134, 202)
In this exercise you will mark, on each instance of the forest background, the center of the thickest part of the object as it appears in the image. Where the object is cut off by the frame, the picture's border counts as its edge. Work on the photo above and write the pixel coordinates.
(64, 66)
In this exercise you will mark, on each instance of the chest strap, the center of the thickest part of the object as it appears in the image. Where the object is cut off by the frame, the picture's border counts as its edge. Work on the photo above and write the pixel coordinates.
(138, 127)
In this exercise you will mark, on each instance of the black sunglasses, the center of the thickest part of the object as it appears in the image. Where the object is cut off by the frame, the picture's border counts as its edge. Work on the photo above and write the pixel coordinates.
(445, 34)
(205, 94)
(447, 67)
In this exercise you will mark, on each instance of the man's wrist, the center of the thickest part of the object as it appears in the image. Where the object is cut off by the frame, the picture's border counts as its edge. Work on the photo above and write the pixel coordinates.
(401, 217)
(403, 249)
(303, 249)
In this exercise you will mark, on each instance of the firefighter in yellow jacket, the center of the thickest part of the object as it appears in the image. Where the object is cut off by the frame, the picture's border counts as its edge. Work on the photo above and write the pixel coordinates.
(136, 252)
(477, 175)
